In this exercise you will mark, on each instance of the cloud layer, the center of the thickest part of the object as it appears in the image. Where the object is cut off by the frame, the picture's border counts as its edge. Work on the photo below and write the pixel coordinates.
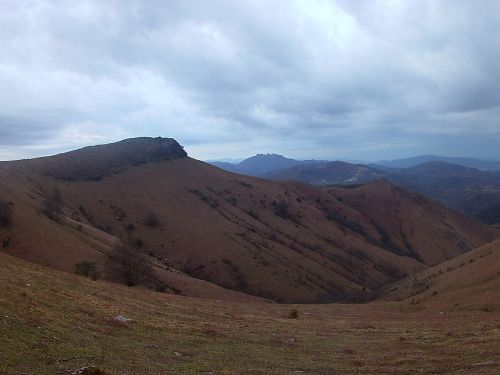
(331, 79)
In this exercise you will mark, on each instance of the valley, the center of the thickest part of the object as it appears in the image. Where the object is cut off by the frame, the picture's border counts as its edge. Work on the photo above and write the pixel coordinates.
(287, 242)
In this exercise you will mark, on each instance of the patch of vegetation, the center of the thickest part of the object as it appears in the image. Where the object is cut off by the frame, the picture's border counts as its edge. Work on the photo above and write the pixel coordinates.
(6, 241)
(294, 314)
(205, 198)
(282, 209)
(151, 220)
(343, 221)
(105, 228)
(52, 206)
(240, 279)
(129, 264)
(252, 214)
(87, 269)
(118, 213)
(5, 214)
(245, 184)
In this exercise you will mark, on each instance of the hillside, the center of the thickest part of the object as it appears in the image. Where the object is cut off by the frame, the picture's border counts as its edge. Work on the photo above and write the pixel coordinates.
(221, 232)
(469, 281)
(55, 323)
(470, 191)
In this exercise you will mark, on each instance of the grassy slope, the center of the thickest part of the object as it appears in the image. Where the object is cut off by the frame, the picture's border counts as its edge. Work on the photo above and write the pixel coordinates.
(52, 321)
(35, 238)
(472, 279)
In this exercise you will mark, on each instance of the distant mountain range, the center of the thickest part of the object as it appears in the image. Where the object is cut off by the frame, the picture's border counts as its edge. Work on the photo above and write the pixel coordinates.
(262, 164)
(474, 191)
(465, 162)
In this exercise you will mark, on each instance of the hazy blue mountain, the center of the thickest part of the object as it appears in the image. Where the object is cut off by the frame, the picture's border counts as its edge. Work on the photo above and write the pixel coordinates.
(465, 162)
(261, 164)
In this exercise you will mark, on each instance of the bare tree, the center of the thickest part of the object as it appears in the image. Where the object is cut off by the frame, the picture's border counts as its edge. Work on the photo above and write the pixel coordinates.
(151, 219)
(53, 204)
(5, 214)
(129, 264)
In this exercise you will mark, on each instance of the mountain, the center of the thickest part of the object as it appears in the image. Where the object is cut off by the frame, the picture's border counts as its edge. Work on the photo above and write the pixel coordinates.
(230, 167)
(465, 162)
(261, 164)
(470, 191)
(208, 232)
(328, 173)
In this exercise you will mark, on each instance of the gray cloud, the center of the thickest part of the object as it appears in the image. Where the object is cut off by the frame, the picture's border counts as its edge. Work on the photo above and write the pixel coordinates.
(364, 79)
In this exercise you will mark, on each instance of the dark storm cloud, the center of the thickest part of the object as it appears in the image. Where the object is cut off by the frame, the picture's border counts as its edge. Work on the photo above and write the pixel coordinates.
(309, 78)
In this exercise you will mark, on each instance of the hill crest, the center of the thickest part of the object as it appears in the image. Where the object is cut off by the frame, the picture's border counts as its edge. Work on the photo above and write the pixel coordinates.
(92, 163)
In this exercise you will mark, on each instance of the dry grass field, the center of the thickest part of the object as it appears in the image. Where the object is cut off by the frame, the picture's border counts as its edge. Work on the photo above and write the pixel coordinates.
(52, 322)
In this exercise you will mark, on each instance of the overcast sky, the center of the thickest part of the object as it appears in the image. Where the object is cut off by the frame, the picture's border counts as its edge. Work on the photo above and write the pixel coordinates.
(345, 79)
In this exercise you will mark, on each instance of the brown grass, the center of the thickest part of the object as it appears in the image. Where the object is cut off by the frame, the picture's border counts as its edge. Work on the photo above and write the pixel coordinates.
(51, 322)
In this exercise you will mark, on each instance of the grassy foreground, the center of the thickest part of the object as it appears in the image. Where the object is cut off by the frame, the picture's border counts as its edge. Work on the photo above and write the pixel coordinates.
(52, 322)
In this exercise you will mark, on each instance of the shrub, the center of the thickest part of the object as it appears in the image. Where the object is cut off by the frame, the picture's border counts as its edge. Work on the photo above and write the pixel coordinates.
(282, 209)
(151, 220)
(6, 241)
(129, 264)
(87, 269)
(294, 314)
(160, 287)
(53, 204)
(90, 371)
(5, 214)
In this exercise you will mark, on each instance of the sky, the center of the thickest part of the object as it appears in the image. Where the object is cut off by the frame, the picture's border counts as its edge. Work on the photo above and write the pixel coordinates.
(346, 79)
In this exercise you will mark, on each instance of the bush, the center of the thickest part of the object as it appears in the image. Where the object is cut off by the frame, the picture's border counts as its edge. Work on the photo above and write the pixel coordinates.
(294, 314)
(151, 220)
(129, 264)
(5, 214)
(90, 371)
(87, 269)
(282, 210)
(53, 204)
(6, 241)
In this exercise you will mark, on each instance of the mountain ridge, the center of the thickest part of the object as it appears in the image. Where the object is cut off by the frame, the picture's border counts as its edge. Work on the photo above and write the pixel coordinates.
(281, 241)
